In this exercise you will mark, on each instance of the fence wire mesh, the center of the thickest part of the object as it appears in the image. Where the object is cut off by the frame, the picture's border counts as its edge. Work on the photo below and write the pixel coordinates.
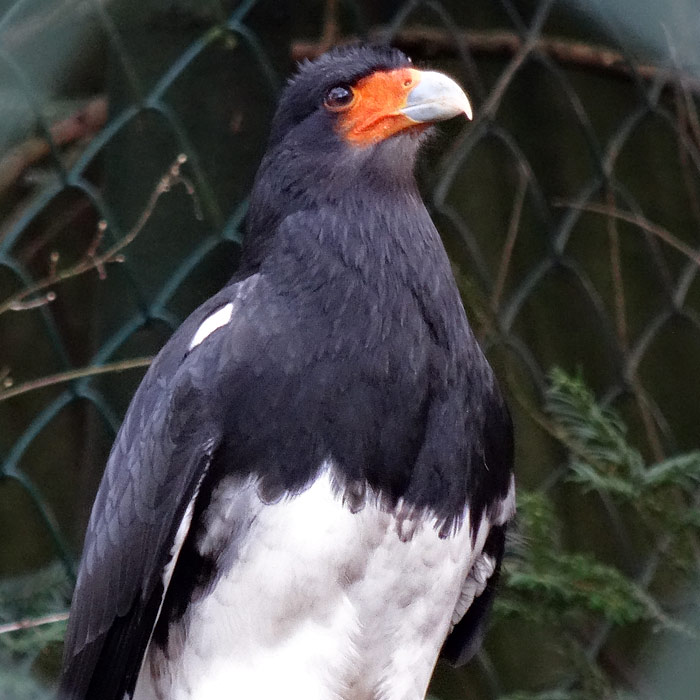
(570, 208)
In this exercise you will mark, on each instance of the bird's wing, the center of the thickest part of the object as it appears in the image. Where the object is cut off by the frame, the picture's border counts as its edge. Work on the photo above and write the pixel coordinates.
(142, 509)
(474, 604)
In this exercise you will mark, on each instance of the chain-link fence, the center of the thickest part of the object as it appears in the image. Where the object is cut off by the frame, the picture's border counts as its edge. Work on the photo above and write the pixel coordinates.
(570, 208)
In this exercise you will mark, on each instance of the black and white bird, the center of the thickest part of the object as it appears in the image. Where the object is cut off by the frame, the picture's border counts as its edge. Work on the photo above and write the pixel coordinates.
(309, 493)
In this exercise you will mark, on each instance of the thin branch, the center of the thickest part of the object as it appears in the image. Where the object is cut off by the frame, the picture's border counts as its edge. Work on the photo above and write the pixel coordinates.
(331, 26)
(688, 122)
(30, 623)
(85, 123)
(659, 231)
(650, 427)
(616, 274)
(439, 43)
(70, 375)
(513, 228)
(23, 300)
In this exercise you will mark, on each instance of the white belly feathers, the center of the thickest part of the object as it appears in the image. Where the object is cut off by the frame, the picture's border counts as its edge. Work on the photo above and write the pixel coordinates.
(318, 602)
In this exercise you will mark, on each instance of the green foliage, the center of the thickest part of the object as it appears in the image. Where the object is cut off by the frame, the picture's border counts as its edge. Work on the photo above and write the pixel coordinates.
(602, 459)
(662, 494)
(572, 584)
(571, 593)
(27, 655)
(547, 585)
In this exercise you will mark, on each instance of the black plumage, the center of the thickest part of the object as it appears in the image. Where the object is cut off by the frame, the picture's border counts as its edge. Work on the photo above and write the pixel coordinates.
(347, 341)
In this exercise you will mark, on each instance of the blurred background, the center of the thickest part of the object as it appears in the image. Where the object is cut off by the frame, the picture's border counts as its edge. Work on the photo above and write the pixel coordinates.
(129, 136)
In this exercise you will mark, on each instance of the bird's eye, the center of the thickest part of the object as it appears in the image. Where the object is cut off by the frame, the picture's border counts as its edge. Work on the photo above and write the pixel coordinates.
(339, 97)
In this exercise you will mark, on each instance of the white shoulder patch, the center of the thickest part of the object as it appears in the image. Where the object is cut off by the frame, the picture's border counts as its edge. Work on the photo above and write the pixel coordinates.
(211, 323)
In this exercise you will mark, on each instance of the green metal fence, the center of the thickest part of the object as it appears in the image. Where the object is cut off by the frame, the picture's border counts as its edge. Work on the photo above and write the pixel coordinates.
(570, 208)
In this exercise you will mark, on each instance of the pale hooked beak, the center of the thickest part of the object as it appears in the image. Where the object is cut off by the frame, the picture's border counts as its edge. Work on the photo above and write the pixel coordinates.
(435, 98)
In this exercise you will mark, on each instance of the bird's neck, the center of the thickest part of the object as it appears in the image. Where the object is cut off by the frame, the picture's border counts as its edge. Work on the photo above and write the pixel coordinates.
(367, 228)
(369, 262)
(355, 188)
(362, 210)
(350, 238)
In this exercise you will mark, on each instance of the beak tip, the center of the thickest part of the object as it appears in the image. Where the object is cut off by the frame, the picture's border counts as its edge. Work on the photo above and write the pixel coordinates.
(436, 98)
(468, 110)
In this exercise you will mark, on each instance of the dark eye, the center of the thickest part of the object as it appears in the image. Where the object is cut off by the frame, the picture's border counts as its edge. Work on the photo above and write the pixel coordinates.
(338, 97)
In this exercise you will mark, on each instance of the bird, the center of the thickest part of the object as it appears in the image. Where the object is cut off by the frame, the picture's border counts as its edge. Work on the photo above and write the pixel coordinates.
(309, 494)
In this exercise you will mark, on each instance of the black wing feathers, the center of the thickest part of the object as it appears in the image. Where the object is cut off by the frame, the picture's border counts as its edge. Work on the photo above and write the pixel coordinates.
(486, 495)
(108, 667)
(159, 457)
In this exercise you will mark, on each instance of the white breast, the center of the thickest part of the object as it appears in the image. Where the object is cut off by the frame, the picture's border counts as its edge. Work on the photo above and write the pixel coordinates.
(319, 603)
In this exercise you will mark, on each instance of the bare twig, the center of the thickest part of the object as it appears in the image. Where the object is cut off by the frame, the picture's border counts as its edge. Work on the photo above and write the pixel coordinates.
(41, 240)
(28, 305)
(659, 231)
(437, 43)
(70, 375)
(330, 24)
(688, 122)
(651, 430)
(616, 273)
(85, 123)
(513, 228)
(26, 298)
(650, 427)
(30, 623)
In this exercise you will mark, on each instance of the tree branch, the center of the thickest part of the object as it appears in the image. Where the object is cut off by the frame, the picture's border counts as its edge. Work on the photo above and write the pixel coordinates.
(439, 43)
(70, 375)
(655, 230)
(33, 622)
(92, 260)
(84, 124)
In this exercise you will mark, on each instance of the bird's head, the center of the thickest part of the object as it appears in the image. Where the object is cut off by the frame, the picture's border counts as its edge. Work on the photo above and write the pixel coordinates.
(352, 119)
(358, 97)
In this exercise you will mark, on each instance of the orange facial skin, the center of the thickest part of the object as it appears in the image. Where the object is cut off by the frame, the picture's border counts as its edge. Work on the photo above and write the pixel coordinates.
(373, 115)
